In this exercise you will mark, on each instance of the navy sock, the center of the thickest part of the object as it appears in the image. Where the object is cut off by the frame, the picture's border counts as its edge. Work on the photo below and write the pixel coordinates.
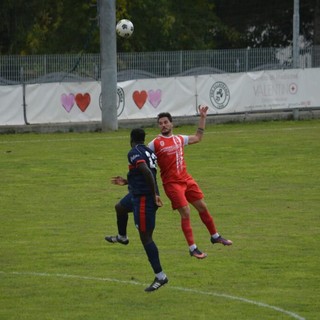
(153, 256)
(122, 221)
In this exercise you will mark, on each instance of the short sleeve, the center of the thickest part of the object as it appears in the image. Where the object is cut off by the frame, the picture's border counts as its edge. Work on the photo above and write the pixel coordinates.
(151, 145)
(185, 140)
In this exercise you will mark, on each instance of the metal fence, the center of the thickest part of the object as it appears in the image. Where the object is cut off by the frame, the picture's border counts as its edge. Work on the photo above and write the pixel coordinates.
(139, 65)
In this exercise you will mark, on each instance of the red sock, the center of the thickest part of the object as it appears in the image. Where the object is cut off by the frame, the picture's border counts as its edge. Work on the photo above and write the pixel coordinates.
(208, 221)
(187, 230)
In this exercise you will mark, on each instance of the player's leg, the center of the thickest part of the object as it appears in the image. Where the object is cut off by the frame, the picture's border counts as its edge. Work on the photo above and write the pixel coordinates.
(176, 193)
(188, 233)
(145, 217)
(152, 252)
(205, 216)
(123, 207)
(195, 197)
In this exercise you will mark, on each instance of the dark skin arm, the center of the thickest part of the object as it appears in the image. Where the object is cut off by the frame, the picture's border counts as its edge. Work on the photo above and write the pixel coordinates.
(120, 181)
(150, 181)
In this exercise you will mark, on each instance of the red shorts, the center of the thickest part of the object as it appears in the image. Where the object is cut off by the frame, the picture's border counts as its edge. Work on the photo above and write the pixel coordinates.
(180, 193)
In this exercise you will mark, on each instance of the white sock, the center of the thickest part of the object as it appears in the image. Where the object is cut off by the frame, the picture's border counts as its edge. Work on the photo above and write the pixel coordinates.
(192, 247)
(215, 236)
(161, 275)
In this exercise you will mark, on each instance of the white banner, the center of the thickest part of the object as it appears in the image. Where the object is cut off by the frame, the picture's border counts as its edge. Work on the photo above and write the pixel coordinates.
(148, 97)
(261, 91)
(145, 98)
(11, 105)
(63, 102)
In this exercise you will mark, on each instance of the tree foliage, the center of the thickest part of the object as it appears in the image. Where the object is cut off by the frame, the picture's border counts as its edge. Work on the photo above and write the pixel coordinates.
(47, 26)
(171, 25)
(266, 24)
(66, 26)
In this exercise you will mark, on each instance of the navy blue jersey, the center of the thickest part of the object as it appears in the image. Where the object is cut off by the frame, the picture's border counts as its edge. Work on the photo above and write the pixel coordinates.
(136, 181)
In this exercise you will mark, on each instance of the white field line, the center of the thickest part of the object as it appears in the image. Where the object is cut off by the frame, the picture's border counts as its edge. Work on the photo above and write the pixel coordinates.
(200, 292)
(126, 137)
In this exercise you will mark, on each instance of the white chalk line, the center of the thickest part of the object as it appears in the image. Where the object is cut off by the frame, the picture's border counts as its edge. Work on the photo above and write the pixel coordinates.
(207, 293)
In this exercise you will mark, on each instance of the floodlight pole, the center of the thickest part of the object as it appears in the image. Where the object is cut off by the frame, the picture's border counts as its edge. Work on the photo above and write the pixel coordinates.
(296, 31)
(108, 52)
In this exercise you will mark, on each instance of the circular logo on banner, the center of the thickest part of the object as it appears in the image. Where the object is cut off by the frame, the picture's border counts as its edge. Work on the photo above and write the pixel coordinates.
(219, 95)
(293, 88)
(120, 101)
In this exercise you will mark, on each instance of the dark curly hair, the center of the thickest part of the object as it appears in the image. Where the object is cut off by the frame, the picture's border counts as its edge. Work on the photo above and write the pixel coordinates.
(165, 115)
(137, 135)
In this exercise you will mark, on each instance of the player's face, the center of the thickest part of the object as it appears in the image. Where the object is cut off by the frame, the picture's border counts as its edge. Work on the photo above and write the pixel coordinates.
(165, 126)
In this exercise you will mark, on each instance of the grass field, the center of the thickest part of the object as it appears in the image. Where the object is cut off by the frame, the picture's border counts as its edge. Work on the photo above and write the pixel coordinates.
(261, 183)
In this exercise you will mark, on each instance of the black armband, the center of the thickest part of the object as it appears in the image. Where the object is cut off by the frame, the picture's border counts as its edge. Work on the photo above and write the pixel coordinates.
(200, 130)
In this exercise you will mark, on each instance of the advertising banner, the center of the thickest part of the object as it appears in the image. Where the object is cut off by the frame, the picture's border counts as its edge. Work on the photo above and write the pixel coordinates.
(63, 102)
(145, 98)
(11, 105)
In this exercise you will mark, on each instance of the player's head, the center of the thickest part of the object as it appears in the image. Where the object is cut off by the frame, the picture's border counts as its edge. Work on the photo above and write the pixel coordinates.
(165, 115)
(137, 136)
(165, 123)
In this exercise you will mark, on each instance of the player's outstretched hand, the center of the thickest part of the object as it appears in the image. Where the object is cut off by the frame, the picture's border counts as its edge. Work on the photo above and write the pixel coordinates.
(119, 181)
(159, 201)
(203, 110)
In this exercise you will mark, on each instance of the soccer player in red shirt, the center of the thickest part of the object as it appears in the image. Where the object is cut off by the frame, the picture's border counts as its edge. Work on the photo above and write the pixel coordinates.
(178, 184)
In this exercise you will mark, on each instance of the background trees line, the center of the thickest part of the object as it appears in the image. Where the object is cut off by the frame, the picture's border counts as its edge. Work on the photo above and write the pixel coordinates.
(65, 26)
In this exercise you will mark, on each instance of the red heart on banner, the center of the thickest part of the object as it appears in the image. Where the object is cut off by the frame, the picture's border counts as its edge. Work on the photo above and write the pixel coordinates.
(140, 98)
(83, 101)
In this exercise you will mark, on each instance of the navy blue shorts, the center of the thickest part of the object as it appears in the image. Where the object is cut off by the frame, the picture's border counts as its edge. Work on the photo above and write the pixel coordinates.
(144, 211)
(126, 202)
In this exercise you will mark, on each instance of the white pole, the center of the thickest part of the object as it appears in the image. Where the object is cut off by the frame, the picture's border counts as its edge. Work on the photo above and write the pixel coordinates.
(296, 32)
(108, 52)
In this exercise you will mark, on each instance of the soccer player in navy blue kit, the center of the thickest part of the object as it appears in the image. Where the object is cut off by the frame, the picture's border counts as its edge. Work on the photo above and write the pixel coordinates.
(143, 199)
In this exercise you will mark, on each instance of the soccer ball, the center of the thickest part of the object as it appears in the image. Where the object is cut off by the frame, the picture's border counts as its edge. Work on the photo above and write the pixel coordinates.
(124, 28)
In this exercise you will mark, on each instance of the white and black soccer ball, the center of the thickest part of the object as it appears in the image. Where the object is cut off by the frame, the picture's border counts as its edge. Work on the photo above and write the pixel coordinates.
(124, 28)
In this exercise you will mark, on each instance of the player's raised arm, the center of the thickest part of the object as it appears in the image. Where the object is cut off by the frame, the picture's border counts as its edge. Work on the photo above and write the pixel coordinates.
(197, 137)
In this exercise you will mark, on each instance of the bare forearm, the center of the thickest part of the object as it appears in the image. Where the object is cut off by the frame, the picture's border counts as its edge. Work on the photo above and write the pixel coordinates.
(202, 121)
(202, 124)
(201, 127)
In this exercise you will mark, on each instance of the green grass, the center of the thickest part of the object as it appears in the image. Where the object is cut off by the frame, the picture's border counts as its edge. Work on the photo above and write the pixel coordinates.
(262, 185)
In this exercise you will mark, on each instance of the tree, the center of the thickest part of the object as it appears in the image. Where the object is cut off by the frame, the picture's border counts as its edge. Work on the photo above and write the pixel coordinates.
(267, 24)
(316, 20)
(52, 26)
(170, 25)
(66, 26)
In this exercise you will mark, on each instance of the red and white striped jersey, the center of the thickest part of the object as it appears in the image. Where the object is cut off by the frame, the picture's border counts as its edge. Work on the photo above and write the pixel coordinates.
(170, 157)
